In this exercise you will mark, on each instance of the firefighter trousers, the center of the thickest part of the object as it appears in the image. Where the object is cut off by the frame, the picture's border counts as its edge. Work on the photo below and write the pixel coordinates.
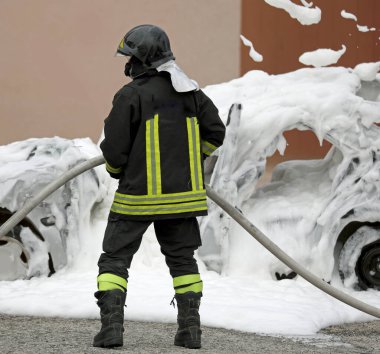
(178, 239)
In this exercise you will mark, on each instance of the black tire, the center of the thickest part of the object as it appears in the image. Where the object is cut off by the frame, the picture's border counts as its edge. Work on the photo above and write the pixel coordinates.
(367, 267)
(360, 257)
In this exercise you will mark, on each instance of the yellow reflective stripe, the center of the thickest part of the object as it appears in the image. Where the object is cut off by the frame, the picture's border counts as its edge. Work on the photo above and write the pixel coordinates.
(186, 283)
(161, 196)
(186, 279)
(196, 288)
(157, 156)
(191, 152)
(157, 212)
(152, 158)
(162, 199)
(206, 152)
(111, 169)
(159, 201)
(148, 156)
(105, 286)
(208, 148)
(158, 207)
(198, 153)
(194, 153)
(162, 209)
(153, 161)
(112, 278)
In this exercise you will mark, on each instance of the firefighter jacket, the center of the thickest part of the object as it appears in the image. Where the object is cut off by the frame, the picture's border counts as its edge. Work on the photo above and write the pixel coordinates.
(155, 142)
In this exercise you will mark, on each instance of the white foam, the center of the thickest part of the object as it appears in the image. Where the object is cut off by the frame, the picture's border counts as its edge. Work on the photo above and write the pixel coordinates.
(252, 52)
(322, 57)
(306, 15)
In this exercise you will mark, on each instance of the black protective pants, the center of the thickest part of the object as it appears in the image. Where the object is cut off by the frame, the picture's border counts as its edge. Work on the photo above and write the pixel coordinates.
(178, 239)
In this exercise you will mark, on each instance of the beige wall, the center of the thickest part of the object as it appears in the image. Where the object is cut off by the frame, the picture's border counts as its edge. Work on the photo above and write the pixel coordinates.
(57, 70)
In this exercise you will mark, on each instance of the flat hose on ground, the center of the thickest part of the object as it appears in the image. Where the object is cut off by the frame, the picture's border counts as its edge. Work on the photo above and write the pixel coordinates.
(227, 207)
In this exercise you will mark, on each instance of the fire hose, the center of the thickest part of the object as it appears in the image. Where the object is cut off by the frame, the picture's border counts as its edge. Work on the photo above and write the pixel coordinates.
(227, 207)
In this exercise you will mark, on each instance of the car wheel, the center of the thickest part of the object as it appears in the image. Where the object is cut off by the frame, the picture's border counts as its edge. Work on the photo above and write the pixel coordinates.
(368, 266)
(359, 259)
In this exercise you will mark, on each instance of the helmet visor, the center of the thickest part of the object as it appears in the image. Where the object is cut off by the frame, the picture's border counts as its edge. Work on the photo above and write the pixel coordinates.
(118, 54)
(123, 50)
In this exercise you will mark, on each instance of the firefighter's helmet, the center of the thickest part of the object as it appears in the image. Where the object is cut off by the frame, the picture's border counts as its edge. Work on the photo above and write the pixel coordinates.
(148, 43)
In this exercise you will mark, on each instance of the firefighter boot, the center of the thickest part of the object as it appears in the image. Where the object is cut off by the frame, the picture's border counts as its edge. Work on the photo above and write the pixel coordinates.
(189, 333)
(111, 304)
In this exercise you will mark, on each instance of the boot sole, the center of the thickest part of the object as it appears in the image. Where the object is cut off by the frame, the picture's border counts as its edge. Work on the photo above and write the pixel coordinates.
(111, 343)
(189, 344)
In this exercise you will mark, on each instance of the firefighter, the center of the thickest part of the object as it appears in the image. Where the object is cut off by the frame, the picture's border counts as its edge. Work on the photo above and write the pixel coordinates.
(156, 137)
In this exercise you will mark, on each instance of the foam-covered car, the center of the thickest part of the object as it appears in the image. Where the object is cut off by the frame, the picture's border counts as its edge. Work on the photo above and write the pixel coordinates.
(48, 236)
(324, 213)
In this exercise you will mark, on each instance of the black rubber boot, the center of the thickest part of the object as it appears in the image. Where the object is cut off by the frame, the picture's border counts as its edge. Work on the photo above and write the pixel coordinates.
(189, 332)
(111, 304)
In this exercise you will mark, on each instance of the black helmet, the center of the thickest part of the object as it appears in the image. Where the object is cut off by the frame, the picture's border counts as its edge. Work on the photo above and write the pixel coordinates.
(148, 43)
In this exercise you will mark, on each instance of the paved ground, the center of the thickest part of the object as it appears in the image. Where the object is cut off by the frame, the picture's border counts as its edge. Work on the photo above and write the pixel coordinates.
(26, 335)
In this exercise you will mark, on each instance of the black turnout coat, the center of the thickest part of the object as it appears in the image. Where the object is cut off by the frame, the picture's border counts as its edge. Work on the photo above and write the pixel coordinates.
(155, 142)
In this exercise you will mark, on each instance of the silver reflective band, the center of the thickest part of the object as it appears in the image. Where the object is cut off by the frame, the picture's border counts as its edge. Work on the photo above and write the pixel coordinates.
(149, 209)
